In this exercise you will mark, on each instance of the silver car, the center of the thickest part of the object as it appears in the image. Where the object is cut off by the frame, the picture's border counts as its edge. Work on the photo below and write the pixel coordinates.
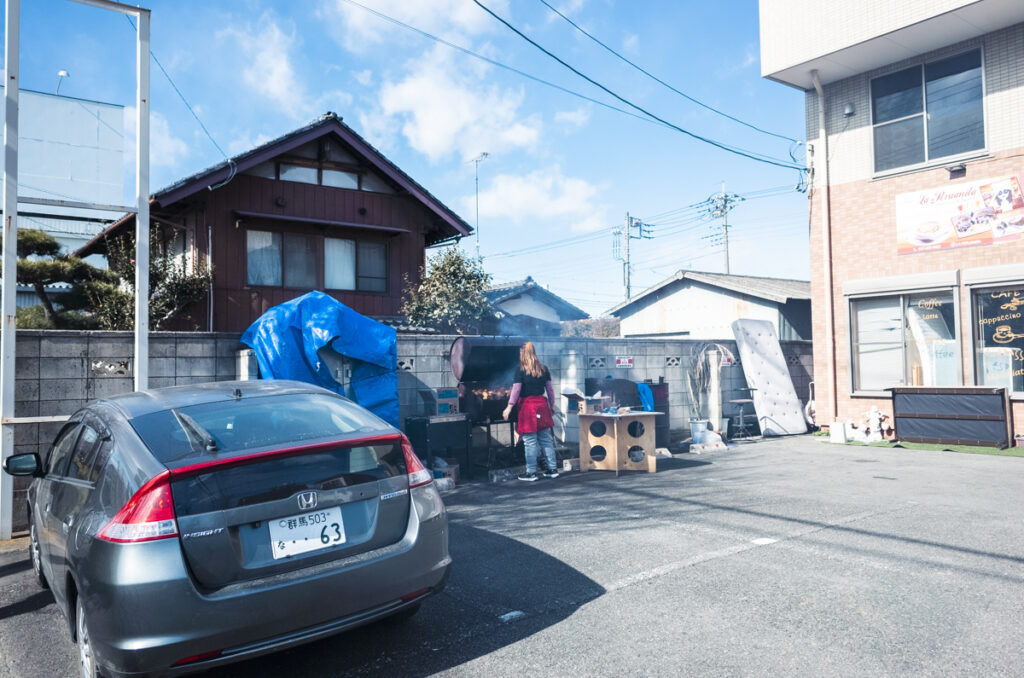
(188, 527)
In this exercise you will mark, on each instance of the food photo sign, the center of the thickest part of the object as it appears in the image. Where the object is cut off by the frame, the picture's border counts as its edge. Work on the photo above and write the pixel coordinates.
(965, 215)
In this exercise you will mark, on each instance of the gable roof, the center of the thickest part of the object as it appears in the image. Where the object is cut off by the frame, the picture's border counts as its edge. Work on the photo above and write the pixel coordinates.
(778, 290)
(453, 226)
(506, 291)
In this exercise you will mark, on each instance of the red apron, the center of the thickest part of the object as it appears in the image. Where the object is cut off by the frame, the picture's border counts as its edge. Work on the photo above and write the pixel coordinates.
(534, 415)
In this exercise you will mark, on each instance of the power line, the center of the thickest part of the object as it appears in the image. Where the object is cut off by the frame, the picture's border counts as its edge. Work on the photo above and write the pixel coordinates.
(396, 22)
(717, 144)
(182, 97)
(662, 82)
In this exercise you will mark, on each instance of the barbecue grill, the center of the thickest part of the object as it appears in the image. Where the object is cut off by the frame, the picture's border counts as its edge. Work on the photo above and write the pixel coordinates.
(487, 366)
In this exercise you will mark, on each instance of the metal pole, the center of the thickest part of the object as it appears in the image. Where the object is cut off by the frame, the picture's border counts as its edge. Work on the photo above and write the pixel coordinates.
(626, 263)
(142, 213)
(8, 302)
(725, 226)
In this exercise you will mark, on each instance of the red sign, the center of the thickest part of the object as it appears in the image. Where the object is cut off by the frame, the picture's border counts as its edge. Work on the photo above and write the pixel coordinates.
(624, 361)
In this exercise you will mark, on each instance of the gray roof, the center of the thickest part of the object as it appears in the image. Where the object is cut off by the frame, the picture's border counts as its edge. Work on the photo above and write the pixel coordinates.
(779, 290)
(505, 291)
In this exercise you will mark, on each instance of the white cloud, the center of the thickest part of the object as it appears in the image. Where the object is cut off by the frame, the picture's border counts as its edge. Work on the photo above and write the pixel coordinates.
(165, 149)
(268, 49)
(358, 30)
(444, 110)
(247, 142)
(577, 118)
(630, 43)
(545, 195)
(364, 77)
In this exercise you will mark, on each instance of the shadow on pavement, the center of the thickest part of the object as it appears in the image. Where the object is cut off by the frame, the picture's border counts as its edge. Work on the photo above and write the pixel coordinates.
(493, 577)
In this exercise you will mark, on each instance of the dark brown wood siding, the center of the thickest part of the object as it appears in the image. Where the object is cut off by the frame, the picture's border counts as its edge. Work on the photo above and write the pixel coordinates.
(237, 304)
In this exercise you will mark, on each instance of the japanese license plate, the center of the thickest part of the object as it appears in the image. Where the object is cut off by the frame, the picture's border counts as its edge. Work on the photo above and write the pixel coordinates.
(306, 532)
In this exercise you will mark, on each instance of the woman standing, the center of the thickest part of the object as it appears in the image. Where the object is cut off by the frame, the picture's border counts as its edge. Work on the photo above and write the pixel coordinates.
(533, 392)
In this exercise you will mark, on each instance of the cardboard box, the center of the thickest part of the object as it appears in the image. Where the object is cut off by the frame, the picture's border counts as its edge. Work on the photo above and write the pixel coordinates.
(451, 472)
(447, 400)
(582, 404)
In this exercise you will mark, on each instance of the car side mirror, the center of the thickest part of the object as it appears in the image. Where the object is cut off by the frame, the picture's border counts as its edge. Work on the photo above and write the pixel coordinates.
(23, 465)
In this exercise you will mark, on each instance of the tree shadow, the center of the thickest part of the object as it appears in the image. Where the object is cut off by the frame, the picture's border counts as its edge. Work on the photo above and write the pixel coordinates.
(501, 591)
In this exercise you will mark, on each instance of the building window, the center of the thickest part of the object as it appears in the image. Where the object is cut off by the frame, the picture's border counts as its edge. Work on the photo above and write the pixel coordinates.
(339, 264)
(300, 267)
(263, 258)
(373, 267)
(323, 163)
(293, 260)
(907, 339)
(927, 112)
(999, 337)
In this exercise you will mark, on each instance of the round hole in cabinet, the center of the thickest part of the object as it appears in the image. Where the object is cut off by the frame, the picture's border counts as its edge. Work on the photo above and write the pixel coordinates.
(636, 428)
(598, 453)
(598, 429)
(636, 453)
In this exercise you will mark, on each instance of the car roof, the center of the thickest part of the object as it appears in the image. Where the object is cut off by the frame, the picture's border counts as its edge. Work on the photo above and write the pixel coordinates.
(139, 403)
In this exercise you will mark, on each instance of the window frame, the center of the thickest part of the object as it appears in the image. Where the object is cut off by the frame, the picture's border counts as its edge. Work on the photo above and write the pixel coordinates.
(976, 336)
(321, 264)
(928, 162)
(361, 170)
(902, 295)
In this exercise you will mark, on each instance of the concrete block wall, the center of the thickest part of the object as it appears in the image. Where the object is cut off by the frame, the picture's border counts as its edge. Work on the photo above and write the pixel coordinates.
(423, 366)
(57, 372)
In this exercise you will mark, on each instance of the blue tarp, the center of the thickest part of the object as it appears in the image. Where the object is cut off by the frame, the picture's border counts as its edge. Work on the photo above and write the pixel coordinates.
(287, 337)
(646, 396)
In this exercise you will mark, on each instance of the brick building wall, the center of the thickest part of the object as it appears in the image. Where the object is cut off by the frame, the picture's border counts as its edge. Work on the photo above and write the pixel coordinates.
(863, 207)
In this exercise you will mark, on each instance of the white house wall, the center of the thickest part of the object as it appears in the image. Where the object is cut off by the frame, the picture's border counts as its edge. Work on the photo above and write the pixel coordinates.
(527, 305)
(704, 312)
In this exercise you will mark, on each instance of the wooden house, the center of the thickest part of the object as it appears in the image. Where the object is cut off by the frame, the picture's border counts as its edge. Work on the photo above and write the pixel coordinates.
(318, 208)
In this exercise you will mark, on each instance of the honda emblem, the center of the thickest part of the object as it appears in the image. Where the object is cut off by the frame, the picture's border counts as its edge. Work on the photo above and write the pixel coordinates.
(307, 501)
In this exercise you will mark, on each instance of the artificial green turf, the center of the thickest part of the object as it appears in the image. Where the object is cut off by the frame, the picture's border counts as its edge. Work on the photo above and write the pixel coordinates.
(964, 449)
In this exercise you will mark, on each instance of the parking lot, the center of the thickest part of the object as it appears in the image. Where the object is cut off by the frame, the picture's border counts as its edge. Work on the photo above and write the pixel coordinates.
(782, 557)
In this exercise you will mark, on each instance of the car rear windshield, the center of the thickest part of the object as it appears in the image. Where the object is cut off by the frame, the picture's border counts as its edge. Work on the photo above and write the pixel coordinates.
(251, 423)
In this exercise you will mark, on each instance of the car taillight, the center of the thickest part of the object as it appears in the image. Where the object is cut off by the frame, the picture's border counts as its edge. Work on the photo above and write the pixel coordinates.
(418, 475)
(148, 515)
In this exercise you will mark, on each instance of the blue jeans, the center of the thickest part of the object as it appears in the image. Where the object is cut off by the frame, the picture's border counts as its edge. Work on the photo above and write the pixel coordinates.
(541, 439)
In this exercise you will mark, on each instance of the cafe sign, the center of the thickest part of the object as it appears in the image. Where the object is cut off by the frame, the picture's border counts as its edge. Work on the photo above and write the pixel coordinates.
(984, 212)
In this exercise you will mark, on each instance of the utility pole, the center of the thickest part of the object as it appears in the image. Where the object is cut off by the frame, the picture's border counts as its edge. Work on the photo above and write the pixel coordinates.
(621, 251)
(719, 206)
(476, 174)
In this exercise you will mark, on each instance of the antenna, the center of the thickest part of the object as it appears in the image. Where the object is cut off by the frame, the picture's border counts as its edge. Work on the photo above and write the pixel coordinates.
(61, 74)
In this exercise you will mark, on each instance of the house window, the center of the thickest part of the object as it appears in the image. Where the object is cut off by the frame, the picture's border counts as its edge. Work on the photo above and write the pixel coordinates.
(907, 339)
(299, 260)
(339, 264)
(373, 267)
(299, 173)
(929, 111)
(263, 257)
(999, 337)
(339, 179)
(293, 260)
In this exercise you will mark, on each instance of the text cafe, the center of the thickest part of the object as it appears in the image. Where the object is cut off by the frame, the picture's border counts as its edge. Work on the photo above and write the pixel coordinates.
(952, 311)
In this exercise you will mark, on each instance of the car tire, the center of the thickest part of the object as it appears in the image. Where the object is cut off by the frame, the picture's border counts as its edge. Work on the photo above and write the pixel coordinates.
(86, 656)
(35, 556)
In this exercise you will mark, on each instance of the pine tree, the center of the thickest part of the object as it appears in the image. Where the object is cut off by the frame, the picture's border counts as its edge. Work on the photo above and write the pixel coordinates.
(42, 266)
(450, 295)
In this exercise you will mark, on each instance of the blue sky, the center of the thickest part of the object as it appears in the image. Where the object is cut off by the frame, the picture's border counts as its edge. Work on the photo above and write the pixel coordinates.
(559, 168)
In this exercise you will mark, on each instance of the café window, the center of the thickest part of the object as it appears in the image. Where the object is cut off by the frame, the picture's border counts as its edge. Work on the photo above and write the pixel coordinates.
(293, 260)
(999, 337)
(906, 339)
(927, 112)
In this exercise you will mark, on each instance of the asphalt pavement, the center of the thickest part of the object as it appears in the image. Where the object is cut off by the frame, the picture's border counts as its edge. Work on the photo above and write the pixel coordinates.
(784, 557)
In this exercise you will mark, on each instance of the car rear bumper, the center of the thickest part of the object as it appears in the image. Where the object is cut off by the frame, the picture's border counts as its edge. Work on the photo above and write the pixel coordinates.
(154, 616)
